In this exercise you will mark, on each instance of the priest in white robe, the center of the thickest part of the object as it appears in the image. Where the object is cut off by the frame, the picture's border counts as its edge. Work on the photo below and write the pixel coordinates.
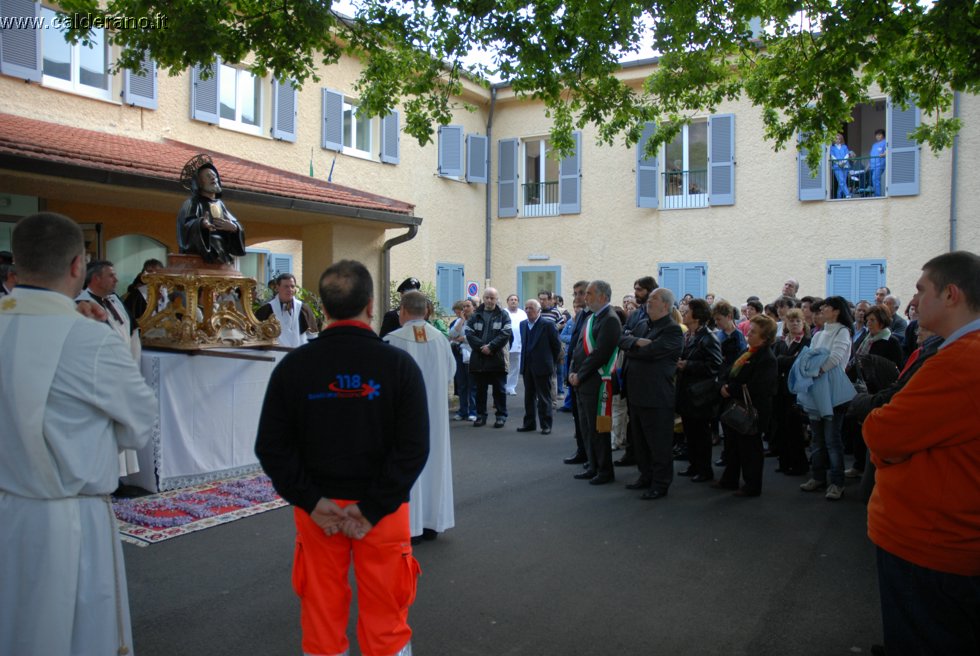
(297, 319)
(100, 288)
(431, 502)
(70, 398)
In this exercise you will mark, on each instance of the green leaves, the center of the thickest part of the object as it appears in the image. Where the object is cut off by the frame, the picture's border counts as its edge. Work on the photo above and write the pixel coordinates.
(805, 64)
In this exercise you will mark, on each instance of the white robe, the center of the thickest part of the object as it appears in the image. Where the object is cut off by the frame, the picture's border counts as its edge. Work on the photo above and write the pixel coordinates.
(70, 397)
(431, 501)
(128, 460)
(290, 335)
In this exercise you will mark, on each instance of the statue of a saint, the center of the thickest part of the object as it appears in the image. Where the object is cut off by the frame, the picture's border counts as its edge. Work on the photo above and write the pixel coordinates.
(205, 227)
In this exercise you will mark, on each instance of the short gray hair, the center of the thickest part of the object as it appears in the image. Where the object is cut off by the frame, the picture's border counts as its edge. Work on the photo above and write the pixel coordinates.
(602, 288)
(665, 295)
(414, 303)
(533, 302)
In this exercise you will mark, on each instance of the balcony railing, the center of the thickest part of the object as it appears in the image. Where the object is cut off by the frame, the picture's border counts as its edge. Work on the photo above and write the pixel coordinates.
(540, 198)
(683, 189)
(855, 177)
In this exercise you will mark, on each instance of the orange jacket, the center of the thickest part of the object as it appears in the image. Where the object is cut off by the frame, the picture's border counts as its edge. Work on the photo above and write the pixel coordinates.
(926, 444)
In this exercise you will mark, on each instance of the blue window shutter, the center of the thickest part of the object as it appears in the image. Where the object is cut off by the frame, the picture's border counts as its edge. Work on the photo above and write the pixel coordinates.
(390, 139)
(284, 110)
(20, 47)
(449, 285)
(811, 188)
(670, 277)
(721, 171)
(280, 263)
(870, 276)
(205, 98)
(841, 280)
(647, 173)
(902, 156)
(332, 120)
(140, 89)
(695, 279)
(451, 151)
(476, 158)
(507, 178)
(570, 180)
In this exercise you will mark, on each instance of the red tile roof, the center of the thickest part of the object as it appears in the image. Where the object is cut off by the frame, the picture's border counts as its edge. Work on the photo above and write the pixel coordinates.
(163, 160)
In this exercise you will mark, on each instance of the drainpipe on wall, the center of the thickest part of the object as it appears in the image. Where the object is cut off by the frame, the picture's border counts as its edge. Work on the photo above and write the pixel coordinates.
(489, 251)
(386, 264)
(953, 176)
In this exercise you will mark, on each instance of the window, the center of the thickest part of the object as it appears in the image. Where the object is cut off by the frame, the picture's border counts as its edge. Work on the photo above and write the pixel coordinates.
(552, 187)
(867, 165)
(78, 68)
(240, 99)
(357, 129)
(684, 278)
(695, 169)
(685, 165)
(531, 280)
(450, 285)
(855, 280)
(540, 188)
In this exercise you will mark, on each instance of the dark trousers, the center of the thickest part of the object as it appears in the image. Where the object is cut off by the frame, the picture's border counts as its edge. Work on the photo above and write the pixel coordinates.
(496, 379)
(579, 443)
(852, 430)
(537, 391)
(697, 430)
(598, 446)
(653, 444)
(744, 458)
(792, 431)
(924, 611)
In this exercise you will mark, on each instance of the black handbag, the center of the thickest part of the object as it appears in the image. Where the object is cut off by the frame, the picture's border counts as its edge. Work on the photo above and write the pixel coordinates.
(741, 418)
(702, 393)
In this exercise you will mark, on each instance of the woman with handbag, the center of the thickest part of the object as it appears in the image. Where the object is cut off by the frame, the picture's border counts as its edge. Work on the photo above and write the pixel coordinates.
(751, 385)
(697, 392)
(790, 420)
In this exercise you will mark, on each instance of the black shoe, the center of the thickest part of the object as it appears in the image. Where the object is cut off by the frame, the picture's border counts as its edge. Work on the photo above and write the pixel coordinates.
(653, 494)
(416, 540)
(577, 459)
(588, 474)
(601, 479)
(499, 423)
(625, 461)
(641, 483)
(682, 456)
(701, 478)
(719, 485)
(720, 462)
(525, 429)
(546, 431)
(686, 472)
(429, 534)
(480, 421)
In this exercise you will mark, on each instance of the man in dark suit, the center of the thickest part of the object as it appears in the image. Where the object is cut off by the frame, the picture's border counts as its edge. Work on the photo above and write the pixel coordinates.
(652, 351)
(592, 377)
(539, 354)
(581, 316)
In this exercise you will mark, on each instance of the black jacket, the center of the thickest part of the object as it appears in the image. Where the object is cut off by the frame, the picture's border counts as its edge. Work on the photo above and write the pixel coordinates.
(345, 417)
(540, 347)
(489, 328)
(760, 375)
(649, 370)
(703, 362)
(607, 330)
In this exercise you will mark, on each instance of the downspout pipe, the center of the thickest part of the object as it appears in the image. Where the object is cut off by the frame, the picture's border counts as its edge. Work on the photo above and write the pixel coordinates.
(489, 213)
(386, 264)
(954, 174)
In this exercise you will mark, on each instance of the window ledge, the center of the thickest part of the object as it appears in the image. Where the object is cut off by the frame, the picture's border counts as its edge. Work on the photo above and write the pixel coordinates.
(57, 84)
(244, 128)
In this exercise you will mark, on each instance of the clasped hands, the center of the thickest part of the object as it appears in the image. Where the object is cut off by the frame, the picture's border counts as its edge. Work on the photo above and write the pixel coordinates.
(333, 519)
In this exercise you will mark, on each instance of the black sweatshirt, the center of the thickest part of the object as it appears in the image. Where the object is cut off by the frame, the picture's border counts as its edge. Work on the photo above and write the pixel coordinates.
(345, 417)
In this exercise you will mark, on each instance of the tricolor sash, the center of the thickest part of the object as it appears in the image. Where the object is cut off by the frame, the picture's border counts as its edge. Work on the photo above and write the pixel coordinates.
(603, 419)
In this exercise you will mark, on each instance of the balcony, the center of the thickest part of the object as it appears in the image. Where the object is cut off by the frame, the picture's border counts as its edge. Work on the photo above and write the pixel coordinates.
(685, 189)
(856, 177)
(540, 198)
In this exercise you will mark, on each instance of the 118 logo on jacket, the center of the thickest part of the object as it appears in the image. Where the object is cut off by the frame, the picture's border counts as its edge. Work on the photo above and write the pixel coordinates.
(349, 386)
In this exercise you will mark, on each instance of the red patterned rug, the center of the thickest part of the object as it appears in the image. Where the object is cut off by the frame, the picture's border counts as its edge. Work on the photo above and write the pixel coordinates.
(158, 517)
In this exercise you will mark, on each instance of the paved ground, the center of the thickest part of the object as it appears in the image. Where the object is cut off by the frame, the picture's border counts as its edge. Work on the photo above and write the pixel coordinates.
(542, 564)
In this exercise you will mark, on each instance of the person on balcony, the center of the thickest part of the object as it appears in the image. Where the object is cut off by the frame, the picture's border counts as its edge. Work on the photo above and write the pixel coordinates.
(877, 163)
(840, 163)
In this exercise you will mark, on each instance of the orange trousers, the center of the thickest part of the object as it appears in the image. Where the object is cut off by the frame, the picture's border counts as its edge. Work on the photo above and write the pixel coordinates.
(386, 575)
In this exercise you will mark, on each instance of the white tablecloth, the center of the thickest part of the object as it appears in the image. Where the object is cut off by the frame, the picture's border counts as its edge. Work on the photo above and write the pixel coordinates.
(208, 414)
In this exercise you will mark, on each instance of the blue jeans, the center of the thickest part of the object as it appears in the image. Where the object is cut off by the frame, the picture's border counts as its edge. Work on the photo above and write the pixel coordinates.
(827, 448)
(876, 173)
(924, 611)
(466, 389)
(841, 175)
